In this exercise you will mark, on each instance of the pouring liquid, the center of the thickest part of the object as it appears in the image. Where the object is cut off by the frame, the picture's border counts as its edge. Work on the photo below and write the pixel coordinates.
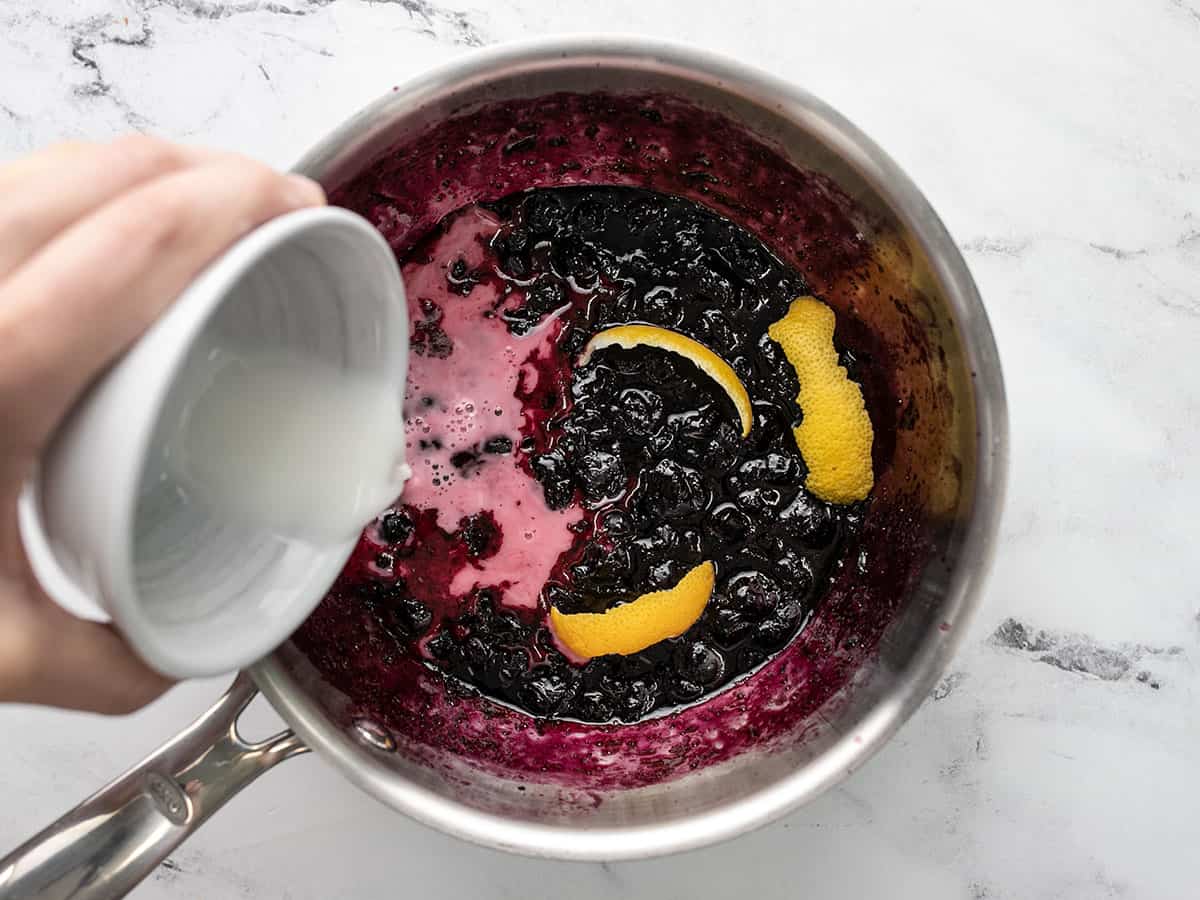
(289, 444)
(260, 458)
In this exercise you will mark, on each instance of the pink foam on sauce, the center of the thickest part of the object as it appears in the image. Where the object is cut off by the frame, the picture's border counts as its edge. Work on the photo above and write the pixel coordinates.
(472, 392)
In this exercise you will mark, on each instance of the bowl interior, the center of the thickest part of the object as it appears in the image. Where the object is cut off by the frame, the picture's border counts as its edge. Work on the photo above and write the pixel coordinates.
(316, 288)
(829, 203)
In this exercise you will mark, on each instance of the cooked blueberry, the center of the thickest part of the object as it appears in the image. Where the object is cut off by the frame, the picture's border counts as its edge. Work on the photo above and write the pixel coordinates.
(716, 331)
(573, 341)
(544, 641)
(760, 500)
(695, 424)
(480, 534)
(573, 259)
(664, 574)
(669, 490)
(463, 458)
(750, 657)
(684, 690)
(809, 521)
(395, 527)
(722, 448)
(743, 261)
(640, 412)
(477, 650)
(691, 541)
(591, 215)
(638, 698)
(753, 593)
(603, 571)
(511, 664)
(795, 570)
(729, 524)
(698, 662)
(546, 295)
(772, 632)
(616, 523)
(783, 469)
(644, 214)
(730, 624)
(515, 265)
(661, 539)
(790, 610)
(518, 240)
(593, 706)
(541, 298)
(441, 645)
(414, 614)
(543, 213)
(662, 307)
(569, 600)
(543, 688)
(552, 471)
(600, 474)
(661, 442)
(507, 626)
(485, 605)
(498, 445)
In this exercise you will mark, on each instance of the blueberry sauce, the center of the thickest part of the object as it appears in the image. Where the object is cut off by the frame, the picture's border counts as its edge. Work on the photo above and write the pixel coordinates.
(640, 450)
(434, 197)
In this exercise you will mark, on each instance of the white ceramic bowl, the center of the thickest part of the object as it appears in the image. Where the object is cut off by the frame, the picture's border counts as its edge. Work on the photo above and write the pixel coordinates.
(194, 592)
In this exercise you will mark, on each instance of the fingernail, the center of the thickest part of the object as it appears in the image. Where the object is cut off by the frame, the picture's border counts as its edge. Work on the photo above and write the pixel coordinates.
(303, 191)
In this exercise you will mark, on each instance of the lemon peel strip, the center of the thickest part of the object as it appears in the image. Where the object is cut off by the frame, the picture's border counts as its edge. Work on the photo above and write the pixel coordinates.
(640, 623)
(836, 435)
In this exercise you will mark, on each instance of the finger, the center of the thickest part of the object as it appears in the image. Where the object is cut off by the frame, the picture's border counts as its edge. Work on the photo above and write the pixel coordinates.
(46, 192)
(90, 292)
(14, 172)
(67, 662)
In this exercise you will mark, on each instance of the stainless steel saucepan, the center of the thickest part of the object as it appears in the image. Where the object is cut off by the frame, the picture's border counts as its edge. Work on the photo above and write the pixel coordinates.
(951, 460)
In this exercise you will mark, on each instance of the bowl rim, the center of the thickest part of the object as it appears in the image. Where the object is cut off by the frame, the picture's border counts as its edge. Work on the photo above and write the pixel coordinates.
(850, 751)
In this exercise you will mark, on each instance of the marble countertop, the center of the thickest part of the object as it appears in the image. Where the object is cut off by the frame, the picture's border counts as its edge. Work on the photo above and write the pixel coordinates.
(1060, 758)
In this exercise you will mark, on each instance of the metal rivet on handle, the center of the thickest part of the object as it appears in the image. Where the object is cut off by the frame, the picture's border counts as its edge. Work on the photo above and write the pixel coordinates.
(372, 735)
(168, 797)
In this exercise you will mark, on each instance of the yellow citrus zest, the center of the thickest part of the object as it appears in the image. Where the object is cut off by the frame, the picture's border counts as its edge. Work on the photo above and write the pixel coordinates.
(705, 360)
(835, 436)
(640, 623)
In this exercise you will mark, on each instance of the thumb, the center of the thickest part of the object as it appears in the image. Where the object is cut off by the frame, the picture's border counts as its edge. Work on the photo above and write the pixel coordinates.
(50, 657)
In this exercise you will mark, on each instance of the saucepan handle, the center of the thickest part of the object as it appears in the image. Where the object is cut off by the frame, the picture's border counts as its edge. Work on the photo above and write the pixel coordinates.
(114, 839)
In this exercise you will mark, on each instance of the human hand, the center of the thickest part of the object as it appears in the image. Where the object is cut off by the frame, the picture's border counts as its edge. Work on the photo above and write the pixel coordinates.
(95, 241)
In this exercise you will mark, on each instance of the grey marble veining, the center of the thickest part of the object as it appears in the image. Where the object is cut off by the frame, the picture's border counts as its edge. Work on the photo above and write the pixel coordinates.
(1060, 755)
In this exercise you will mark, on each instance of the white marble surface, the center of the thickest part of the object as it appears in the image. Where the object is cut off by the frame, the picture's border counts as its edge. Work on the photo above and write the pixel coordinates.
(1061, 143)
